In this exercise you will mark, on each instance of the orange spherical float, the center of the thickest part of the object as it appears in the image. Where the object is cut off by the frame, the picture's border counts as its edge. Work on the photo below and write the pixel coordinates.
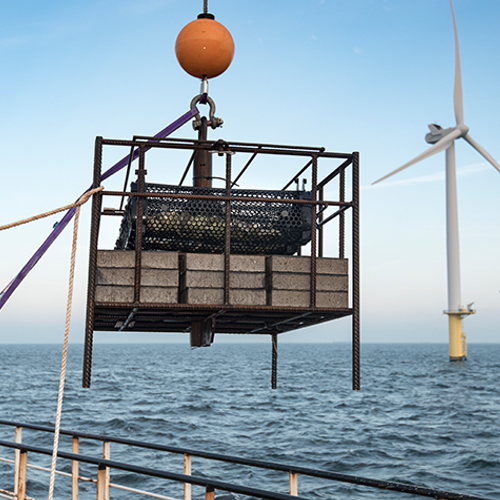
(204, 47)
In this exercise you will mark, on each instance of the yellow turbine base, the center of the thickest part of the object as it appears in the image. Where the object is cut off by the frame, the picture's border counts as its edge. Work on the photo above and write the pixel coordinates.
(458, 341)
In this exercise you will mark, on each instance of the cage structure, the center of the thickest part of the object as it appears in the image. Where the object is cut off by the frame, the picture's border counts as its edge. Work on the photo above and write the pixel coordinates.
(227, 260)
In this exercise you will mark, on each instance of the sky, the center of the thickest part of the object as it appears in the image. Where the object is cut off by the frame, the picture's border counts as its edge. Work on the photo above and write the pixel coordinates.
(349, 75)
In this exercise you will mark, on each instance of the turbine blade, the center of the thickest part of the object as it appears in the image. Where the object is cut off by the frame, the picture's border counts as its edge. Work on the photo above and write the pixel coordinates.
(482, 151)
(457, 95)
(443, 143)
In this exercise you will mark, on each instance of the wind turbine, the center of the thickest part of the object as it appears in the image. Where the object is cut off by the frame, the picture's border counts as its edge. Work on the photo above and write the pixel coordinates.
(444, 139)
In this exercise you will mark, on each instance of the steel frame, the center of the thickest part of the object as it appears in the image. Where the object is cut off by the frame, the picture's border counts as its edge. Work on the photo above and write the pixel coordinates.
(270, 320)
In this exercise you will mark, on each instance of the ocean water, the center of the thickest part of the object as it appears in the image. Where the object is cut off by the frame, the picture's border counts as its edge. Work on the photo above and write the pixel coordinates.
(418, 418)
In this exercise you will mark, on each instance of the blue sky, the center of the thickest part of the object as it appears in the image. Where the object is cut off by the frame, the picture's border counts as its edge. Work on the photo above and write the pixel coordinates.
(350, 75)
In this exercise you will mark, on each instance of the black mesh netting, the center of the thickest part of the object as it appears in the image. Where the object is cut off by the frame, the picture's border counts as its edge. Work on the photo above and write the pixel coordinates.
(190, 225)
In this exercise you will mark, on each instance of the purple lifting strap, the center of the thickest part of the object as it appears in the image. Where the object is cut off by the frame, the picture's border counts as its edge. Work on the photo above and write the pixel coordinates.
(58, 229)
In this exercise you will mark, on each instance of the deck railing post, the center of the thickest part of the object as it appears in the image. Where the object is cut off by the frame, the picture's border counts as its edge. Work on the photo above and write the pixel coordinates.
(75, 448)
(187, 472)
(210, 493)
(294, 484)
(17, 455)
(106, 454)
(101, 483)
(21, 477)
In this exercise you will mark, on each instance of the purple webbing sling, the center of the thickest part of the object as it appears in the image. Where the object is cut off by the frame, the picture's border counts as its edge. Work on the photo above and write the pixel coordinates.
(58, 229)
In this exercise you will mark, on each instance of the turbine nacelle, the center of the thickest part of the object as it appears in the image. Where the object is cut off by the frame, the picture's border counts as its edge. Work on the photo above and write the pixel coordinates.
(437, 132)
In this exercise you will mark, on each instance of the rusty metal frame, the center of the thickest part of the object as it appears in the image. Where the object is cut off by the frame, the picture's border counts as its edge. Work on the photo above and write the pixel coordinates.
(268, 320)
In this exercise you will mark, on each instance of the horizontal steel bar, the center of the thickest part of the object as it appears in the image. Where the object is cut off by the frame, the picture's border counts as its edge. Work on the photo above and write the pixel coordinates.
(232, 148)
(208, 197)
(263, 145)
(375, 483)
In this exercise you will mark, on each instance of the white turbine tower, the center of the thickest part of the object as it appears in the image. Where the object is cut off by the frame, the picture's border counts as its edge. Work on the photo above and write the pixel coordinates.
(444, 139)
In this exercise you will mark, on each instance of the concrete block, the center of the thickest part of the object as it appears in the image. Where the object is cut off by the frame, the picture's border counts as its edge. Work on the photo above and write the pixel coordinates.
(288, 298)
(302, 264)
(247, 297)
(215, 262)
(115, 276)
(248, 263)
(333, 283)
(243, 280)
(159, 295)
(105, 293)
(160, 260)
(201, 279)
(202, 262)
(294, 298)
(332, 299)
(115, 258)
(202, 296)
(160, 277)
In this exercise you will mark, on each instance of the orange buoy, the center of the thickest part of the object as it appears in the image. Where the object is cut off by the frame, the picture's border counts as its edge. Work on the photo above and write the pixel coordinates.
(204, 47)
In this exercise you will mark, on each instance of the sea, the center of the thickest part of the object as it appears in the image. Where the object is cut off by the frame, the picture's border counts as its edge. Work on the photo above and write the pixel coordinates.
(418, 419)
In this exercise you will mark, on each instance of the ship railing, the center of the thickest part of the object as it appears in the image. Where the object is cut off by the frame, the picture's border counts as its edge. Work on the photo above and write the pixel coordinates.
(105, 465)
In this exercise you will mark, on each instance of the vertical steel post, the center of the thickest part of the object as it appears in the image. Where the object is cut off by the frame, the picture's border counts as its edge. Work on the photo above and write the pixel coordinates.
(320, 231)
(94, 237)
(141, 175)
(342, 215)
(274, 370)
(202, 167)
(227, 234)
(356, 317)
(314, 235)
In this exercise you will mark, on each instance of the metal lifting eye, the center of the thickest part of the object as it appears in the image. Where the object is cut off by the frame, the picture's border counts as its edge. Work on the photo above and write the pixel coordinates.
(204, 99)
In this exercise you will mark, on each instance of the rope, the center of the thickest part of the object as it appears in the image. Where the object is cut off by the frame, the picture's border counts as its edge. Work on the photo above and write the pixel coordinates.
(205, 6)
(83, 199)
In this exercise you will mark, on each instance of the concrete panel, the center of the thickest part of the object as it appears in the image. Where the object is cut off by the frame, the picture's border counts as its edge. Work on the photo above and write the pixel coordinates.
(160, 277)
(247, 280)
(247, 297)
(160, 260)
(202, 262)
(202, 279)
(159, 295)
(288, 298)
(248, 263)
(332, 283)
(302, 264)
(332, 299)
(202, 296)
(215, 262)
(293, 298)
(115, 276)
(115, 258)
(114, 294)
